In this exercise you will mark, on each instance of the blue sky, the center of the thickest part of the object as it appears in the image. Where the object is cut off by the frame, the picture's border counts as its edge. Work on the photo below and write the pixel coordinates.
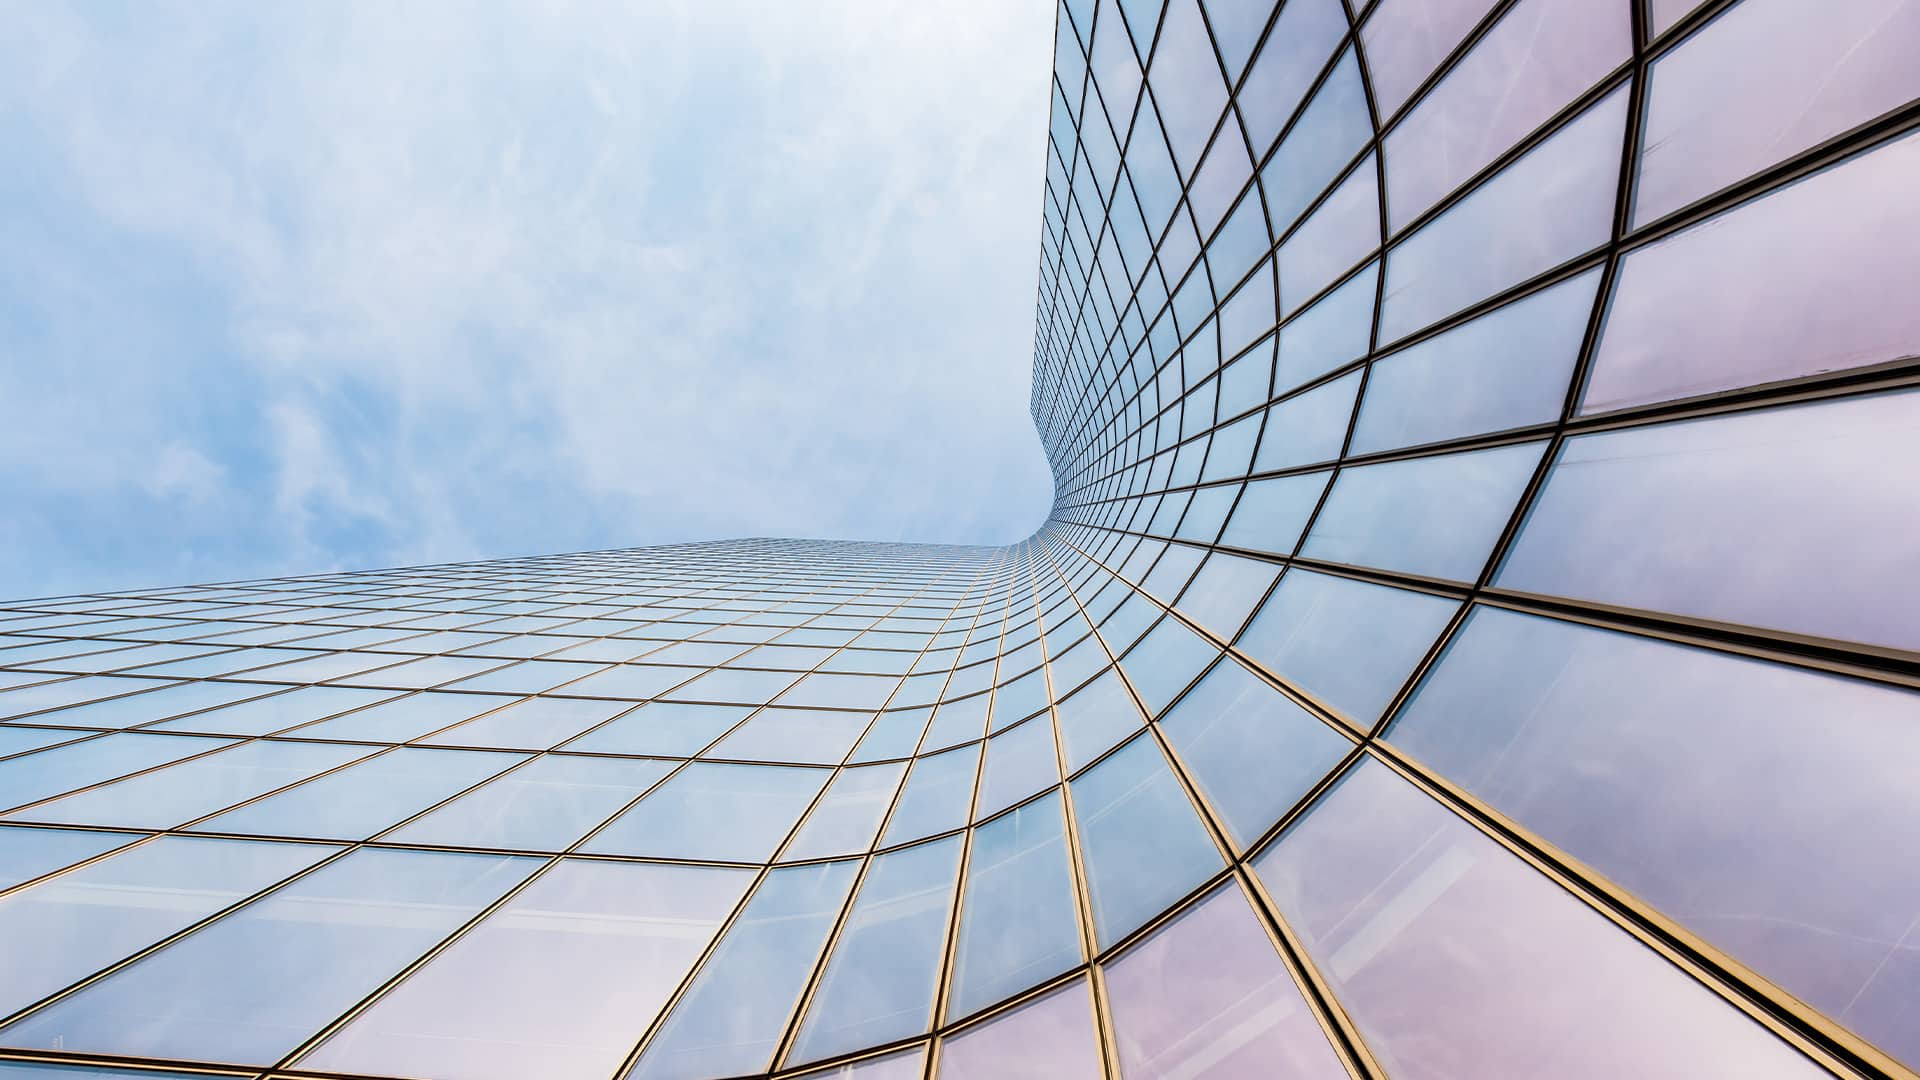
(288, 288)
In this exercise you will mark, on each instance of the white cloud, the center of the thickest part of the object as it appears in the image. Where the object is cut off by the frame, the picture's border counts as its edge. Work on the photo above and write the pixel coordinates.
(517, 277)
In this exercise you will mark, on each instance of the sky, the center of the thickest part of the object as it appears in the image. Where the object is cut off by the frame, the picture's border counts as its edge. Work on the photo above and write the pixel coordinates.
(293, 288)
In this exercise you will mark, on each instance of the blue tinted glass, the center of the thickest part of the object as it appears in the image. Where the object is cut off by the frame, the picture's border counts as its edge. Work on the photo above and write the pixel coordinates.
(254, 985)
(1346, 643)
(1143, 845)
(736, 1009)
(880, 982)
(712, 811)
(1252, 752)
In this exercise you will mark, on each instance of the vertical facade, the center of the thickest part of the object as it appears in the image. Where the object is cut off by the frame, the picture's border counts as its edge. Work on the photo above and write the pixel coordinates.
(1477, 635)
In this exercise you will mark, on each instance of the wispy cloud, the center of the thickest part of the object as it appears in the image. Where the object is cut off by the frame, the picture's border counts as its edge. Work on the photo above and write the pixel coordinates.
(298, 287)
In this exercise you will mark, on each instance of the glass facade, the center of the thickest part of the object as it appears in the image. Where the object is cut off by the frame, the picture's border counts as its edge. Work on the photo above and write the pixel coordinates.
(1476, 635)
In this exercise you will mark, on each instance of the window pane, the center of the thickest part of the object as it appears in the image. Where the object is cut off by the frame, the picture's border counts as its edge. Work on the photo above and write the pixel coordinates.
(1700, 517)
(1540, 55)
(26, 854)
(1252, 752)
(736, 1010)
(1441, 945)
(355, 803)
(663, 727)
(880, 982)
(534, 724)
(815, 736)
(250, 988)
(1143, 845)
(67, 927)
(1096, 718)
(1434, 516)
(179, 793)
(1553, 203)
(849, 814)
(1812, 278)
(1347, 643)
(32, 777)
(938, 796)
(1765, 80)
(1049, 1038)
(545, 805)
(1018, 763)
(738, 813)
(1772, 846)
(560, 982)
(1207, 995)
(1508, 368)
(1019, 924)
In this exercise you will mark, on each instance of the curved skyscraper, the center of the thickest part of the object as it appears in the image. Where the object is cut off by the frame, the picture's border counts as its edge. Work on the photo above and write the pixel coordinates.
(1476, 636)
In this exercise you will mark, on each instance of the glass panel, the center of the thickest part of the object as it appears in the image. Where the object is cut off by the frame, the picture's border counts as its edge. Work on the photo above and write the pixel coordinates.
(632, 681)
(1765, 80)
(152, 705)
(814, 736)
(893, 735)
(545, 805)
(1406, 39)
(1165, 661)
(1096, 718)
(842, 691)
(959, 721)
(251, 987)
(1700, 517)
(904, 1065)
(1333, 239)
(26, 854)
(28, 1070)
(1773, 847)
(1143, 846)
(1506, 369)
(1225, 592)
(849, 815)
(265, 715)
(67, 927)
(405, 718)
(1048, 1038)
(1810, 279)
(560, 982)
(534, 724)
(1018, 763)
(1434, 516)
(1333, 128)
(355, 803)
(1251, 751)
(1539, 56)
(1296, 49)
(663, 727)
(739, 813)
(1334, 331)
(1310, 428)
(880, 982)
(938, 796)
(1019, 924)
(734, 1013)
(1271, 513)
(1207, 995)
(179, 793)
(1441, 945)
(36, 776)
(1553, 203)
(1348, 644)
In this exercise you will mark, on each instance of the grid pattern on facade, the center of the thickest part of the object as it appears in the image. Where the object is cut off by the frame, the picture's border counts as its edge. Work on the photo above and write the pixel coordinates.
(1475, 635)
